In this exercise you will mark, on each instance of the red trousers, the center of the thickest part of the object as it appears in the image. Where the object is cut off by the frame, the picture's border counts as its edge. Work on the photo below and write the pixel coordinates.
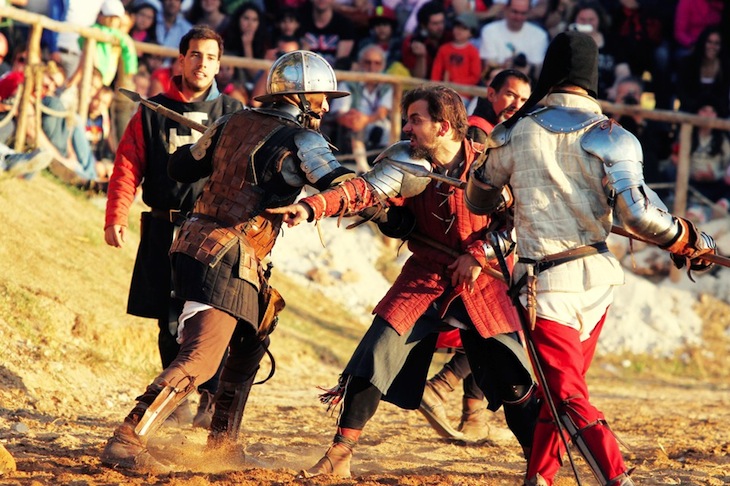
(565, 361)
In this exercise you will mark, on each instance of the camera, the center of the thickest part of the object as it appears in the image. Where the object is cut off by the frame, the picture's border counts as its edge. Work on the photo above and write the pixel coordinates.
(584, 28)
(630, 99)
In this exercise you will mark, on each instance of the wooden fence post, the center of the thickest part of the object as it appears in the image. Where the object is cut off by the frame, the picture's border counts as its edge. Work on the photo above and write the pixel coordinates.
(33, 61)
(682, 183)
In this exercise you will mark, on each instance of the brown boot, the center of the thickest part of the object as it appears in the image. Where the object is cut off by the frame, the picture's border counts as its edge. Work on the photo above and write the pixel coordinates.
(536, 481)
(432, 404)
(126, 450)
(336, 461)
(473, 423)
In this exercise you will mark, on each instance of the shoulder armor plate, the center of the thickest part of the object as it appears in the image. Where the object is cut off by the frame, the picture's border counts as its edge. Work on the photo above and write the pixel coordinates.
(612, 143)
(317, 160)
(565, 120)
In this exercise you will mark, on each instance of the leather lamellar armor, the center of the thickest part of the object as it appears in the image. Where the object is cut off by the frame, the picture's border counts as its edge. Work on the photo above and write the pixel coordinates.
(246, 179)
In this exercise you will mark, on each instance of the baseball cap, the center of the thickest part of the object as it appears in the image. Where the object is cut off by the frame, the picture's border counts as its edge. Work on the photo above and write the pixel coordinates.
(383, 14)
(468, 20)
(112, 8)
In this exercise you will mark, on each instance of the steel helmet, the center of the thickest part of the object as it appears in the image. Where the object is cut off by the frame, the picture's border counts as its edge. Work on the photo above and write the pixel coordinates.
(301, 72)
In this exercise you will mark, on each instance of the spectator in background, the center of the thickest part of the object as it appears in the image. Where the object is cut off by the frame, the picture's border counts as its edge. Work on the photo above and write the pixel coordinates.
(706, 70)
(100, 133)
(557, 17)
(485, 10)
(363, 118)
(231, 84)
(161, 78)
(14, 164)
(247, 36)
(210, 13)
(384, 33)
(171, 24)
(709, 162)
(420, 48)
(84, 13)
(655, 136)
(328, 33)
(458, 61)
(286, 23)
(144, 28)
(589, 17)
(506, 94)
(691, 19)
(503, 40)
(642, 32)
(107, 56)
(358, 12)
(4, 52)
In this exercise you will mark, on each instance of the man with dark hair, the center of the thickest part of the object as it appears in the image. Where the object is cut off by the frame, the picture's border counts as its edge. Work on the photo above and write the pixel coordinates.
(142, 160)
(420, 48)
(246, 162)
(506, 94)
(572, 169)
(435, 289)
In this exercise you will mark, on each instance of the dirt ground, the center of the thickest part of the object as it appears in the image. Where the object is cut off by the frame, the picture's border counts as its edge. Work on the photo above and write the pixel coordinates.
(71, 364)
(675, 432)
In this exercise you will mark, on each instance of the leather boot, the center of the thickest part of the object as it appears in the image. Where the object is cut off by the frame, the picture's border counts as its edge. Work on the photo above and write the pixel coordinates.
(336, 461)
(473, 423)
(432, 404)
(126, 449)
(204, 415)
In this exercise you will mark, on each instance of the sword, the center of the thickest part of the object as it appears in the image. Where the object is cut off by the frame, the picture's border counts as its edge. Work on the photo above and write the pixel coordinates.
(158, 108)
(419, 171)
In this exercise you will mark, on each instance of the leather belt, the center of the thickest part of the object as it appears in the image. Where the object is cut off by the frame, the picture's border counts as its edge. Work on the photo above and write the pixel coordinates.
(565, 256)
(174, 216)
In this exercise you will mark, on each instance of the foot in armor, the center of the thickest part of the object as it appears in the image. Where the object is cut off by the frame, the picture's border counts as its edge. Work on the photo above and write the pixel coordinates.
(336, 461)
(432, 404)
(473, 423)
(204, 415)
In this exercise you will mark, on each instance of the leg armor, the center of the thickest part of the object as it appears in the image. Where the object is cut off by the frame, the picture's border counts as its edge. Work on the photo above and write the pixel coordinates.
(577, 436)
(166, 401)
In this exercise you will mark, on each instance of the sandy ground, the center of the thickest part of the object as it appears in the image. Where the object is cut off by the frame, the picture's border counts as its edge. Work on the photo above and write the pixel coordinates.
(675, 431)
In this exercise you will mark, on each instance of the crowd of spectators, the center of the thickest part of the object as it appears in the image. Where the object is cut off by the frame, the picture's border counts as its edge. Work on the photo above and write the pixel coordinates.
(675, 49)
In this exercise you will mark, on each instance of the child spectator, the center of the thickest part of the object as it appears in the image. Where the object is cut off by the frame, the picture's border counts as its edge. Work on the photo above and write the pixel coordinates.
(99, 132)
(458, 61)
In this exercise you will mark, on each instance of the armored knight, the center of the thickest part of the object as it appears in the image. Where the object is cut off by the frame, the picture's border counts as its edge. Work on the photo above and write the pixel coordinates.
(571, 170)
(255, 159)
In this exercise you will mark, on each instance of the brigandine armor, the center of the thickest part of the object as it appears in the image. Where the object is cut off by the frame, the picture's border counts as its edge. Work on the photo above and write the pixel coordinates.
(230, 208)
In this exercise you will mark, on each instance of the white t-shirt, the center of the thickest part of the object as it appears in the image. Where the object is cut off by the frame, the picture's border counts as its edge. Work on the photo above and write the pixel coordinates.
(498, 43)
